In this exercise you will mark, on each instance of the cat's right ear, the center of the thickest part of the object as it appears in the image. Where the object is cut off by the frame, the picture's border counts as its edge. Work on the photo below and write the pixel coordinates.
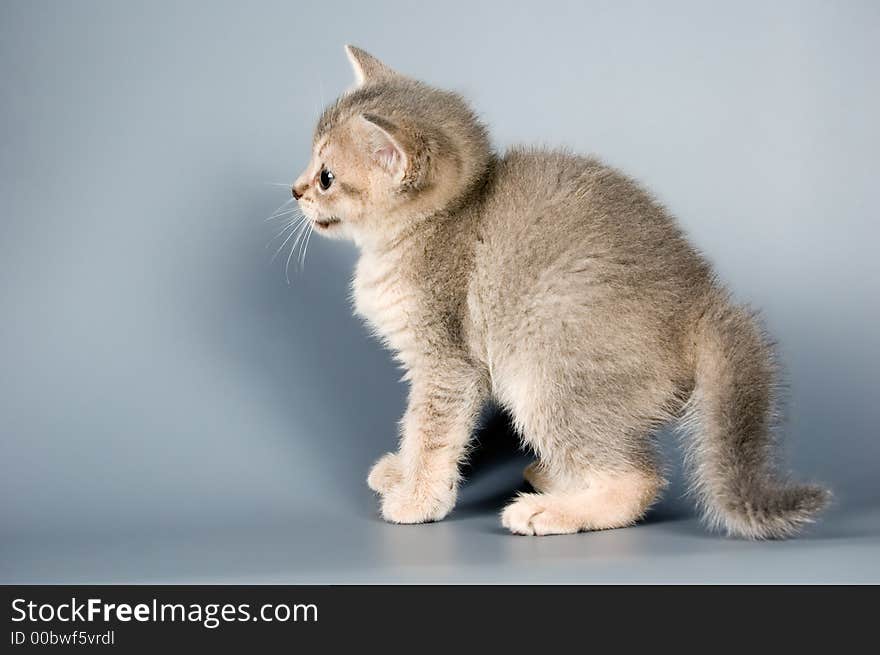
(366, 67)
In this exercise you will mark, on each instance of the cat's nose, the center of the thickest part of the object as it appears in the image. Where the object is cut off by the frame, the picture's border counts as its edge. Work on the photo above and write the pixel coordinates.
(297, 194)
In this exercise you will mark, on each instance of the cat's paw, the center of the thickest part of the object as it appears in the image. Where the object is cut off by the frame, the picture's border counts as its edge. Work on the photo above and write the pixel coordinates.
(385, 474)
(415, 505)
(537, 514)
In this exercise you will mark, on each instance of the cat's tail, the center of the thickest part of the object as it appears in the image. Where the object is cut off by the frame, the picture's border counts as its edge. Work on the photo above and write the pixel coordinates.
(730, 420)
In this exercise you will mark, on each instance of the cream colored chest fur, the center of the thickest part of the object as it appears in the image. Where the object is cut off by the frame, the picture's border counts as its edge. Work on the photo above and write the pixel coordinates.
(389, 304)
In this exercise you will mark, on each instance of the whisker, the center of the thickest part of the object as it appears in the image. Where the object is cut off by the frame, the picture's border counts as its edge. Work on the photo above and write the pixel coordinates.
(299, 248)
(283, 230)
(300, 232)
(285, 203)
(282, 245)
(282, 214)
(302, 261)
(282, 205)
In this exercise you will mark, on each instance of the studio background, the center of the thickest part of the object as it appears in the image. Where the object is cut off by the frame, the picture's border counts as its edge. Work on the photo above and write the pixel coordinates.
(171, 410)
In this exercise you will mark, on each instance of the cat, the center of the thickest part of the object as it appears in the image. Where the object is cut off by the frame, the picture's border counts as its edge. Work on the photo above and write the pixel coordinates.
(556, 287)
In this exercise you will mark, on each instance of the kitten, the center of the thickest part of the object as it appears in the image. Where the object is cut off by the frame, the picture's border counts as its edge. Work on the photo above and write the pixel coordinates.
(554, 285)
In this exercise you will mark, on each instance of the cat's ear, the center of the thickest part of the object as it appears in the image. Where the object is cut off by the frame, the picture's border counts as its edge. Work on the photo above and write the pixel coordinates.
(366, 67)
(386, 145)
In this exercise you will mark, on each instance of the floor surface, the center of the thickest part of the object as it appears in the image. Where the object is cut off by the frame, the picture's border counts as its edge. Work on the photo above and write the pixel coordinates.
(356, 547)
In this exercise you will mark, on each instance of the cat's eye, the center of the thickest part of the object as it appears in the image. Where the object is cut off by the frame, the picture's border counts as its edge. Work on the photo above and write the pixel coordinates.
(325, 179)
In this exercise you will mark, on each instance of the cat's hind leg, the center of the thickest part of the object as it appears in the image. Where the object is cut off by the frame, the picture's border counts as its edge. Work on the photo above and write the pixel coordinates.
(596, 466)
(603, 501)
(536, 477)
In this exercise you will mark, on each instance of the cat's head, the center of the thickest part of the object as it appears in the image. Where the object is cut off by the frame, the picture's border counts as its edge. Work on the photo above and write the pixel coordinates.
(389, 152)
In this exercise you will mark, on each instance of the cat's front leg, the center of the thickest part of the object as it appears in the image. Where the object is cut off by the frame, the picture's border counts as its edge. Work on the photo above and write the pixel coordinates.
(420, 482)
(385, 474)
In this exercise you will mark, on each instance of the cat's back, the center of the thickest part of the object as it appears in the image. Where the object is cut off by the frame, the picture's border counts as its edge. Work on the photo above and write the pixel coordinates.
(558, 200)
(554, 211)
(569, 237)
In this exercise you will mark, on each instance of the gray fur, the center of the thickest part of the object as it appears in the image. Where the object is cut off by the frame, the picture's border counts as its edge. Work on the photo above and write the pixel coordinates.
(558, 287)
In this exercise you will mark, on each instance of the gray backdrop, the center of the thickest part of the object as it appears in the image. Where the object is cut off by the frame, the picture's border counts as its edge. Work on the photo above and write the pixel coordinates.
(172, 410)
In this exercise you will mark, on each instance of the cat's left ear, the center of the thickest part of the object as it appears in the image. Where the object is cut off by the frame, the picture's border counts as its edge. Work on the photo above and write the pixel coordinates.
(400, 151)
(385, 145)
(366, 67)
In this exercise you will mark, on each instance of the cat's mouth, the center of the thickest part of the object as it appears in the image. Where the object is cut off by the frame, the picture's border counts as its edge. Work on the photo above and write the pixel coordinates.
(325, 223)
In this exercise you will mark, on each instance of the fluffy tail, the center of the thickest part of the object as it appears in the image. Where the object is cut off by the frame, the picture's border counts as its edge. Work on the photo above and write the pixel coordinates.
(730, 419)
